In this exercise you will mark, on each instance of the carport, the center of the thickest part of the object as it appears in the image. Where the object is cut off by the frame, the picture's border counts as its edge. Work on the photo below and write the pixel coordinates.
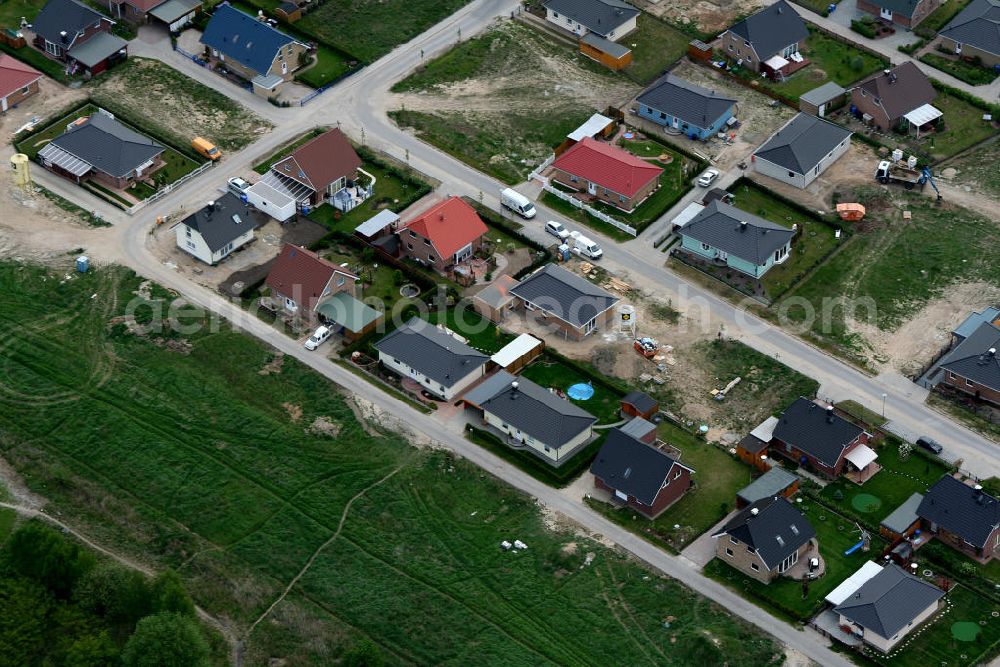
(175, 14)
(277, 202)
(348, 316)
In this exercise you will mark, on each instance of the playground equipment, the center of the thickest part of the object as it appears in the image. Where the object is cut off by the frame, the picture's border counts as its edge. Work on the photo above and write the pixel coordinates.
(864, 543)
(851, 212)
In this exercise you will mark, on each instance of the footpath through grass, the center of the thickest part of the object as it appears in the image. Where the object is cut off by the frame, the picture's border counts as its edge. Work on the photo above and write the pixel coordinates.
(124, 435)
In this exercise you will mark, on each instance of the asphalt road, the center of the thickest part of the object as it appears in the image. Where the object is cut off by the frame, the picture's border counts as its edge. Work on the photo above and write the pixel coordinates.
(359, 104)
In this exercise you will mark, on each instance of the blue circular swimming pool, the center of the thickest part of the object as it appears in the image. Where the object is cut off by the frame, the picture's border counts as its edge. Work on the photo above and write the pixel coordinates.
(581, 391)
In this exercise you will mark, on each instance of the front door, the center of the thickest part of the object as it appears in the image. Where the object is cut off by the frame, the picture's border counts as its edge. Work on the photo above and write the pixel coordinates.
(822, 110)
(591, 188)
(885, 14)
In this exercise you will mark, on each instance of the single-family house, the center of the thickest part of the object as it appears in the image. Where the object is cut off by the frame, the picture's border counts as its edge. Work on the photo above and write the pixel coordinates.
(558, 297)
(902, 521)
(813, 434)
(639, 404)
(133, 11)
(434, 357)
(730, 236)
(768, 41)
(300, 280)
(972, 367)
(531, 417)
(801, 150)
(823, 99)
(775, 482)
(218, 229)
(685, 108)
(974, 320)
(99, 148)
(18, 81)
(175, 15)
(445, 235)
(639, 475)
(886, 607)
(73, 33)
(324, 169)
(606, 173)
(765, 539)
(495, 300)
(963, 516)
(252, 49)
(907, 13)
(975, 33)
(897, 98)
(609, 19)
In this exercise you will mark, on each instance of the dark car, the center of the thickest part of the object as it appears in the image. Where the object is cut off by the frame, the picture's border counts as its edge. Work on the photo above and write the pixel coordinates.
(929, 444)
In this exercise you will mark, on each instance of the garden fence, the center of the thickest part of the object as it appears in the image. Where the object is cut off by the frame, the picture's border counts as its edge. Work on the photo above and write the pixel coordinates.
(603, 217)
(537, 173)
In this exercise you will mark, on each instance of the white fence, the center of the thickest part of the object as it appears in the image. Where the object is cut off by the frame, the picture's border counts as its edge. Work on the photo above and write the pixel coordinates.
(537, 173)
(167, 189)
(603, 217)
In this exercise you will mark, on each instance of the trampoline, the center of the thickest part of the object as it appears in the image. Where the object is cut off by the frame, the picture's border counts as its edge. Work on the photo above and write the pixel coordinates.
(581, 391)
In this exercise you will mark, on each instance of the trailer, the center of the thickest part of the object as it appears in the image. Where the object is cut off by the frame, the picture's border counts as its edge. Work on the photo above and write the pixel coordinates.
(890, 172)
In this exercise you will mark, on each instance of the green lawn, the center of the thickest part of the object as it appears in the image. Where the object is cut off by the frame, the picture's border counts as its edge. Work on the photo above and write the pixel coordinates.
(655, 46)
(835, 534)
(566, 209)
(550, 372)
(11, 12)
(830, 60)
(7, 520)
(718, 476)
(368, 29)
(37, 59)
(377, 283)
(241, 500)
(675, 182)
(329, 65)
(813, 243)
(940, 17)
(971, 74)
(480, 332)
(859, 411)
(964, 127)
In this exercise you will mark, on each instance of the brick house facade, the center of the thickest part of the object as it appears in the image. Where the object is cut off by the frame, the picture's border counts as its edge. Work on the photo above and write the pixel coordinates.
(913, 12)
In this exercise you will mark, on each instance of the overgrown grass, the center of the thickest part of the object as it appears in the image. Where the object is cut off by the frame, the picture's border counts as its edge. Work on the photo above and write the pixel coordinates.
(655, 46)
(240, 499)
(940, 17)
(974, 75)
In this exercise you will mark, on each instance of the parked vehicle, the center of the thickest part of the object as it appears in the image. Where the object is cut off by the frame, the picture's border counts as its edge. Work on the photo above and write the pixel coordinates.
(708, 177)
(929, 444)
(556, 229)
(206, 148)
(515, 201)
(583, 246)
(318, 338)
(238, 186)
(890, 172)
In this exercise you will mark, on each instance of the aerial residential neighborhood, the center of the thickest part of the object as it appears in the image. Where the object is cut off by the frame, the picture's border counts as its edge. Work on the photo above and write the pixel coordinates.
(572, 332)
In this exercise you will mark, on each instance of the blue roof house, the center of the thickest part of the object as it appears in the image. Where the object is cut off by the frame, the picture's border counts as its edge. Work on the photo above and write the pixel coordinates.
(252, 49)
(685, 108)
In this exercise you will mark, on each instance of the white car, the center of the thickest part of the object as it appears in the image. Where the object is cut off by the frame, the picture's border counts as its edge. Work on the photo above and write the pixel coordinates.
(708, 177)
(238, 186)
(318, 338)
(557, 230)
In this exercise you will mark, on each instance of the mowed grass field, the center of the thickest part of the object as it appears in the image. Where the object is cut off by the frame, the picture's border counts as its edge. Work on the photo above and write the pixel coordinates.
(206, 452)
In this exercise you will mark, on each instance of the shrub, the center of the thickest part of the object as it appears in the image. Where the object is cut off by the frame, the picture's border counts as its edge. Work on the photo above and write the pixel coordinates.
(858, 64)
(166, 640)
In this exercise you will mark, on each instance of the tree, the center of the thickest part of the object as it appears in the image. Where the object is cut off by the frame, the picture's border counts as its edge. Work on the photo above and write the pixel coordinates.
(363, 654)
(40, 553)
(24, 606)
(90, 650)
(167, 639)
(169, 594)
(115, 593)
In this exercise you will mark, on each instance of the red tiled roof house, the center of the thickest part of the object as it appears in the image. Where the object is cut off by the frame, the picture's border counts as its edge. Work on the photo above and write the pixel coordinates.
(445, 235)
(17, 81)
(301, 280)
(322, 169)
(607, 173)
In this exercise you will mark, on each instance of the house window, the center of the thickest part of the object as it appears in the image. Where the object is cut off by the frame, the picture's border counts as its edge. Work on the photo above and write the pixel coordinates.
(749, 549)
(290, 305)
(188, 232)
(26, 90)
(341, 280)
(573, 179)
(663, 116)
(409, 246)
(427, 241)
(677, 474)
(190, 245)
(755, 567)
(52, 49)
(430, 258)
(733, 540)
(555, 15)
(730, 47)
(746, 42)
(970, 383)
(413, 234)
(729, 552)
(791, 174)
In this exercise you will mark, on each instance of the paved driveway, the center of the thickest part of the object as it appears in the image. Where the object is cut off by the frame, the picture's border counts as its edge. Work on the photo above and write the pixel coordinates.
(702, 549)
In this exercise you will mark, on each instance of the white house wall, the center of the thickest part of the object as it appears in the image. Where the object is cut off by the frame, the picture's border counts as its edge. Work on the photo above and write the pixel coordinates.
(886, 645)
(198, 247)
(446, 393)
(553, 454)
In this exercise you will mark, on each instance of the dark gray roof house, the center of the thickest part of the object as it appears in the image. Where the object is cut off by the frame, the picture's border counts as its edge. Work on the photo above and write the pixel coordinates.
(816, 431)
(530, 408)
(888, 602)
(736, 232)
(434, 353)
(598, 16)
(100, 143)
(771, 29)
(975, 358)
(631, 466)
(802, 143)
(690, 103)
(69, 16)
(960, 509)
(977, 25)
(223, 221)
(564, 295)
(899, 90)
(772, 527)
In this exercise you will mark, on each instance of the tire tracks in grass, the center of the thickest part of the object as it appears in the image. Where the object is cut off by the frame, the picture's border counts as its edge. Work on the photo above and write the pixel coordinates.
(635, 622)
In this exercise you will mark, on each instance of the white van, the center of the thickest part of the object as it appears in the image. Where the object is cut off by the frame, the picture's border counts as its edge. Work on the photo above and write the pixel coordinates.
(318, 338)
(584, 247)
(515, 201)
(556, 229)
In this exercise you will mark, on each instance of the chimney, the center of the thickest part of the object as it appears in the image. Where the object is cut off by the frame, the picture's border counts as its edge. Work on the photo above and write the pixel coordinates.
(63, 36)
(992, 352)
(829, 414)
(743, 225)
(514, 385)
(210, 208)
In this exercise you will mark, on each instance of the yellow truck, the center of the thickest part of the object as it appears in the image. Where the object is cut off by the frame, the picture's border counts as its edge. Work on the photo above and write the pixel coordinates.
(206, 148)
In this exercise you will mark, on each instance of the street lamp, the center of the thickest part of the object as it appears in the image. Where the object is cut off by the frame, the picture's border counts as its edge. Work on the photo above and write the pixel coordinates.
(884, 395)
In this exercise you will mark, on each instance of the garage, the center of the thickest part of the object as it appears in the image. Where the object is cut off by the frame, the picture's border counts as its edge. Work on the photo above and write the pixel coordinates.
(267, 199)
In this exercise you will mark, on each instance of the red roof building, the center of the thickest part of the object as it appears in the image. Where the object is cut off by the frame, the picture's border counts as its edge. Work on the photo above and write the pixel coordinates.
(443, 236)
(607, 173)
(324, 165)
(17, 81)
(300, 280)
